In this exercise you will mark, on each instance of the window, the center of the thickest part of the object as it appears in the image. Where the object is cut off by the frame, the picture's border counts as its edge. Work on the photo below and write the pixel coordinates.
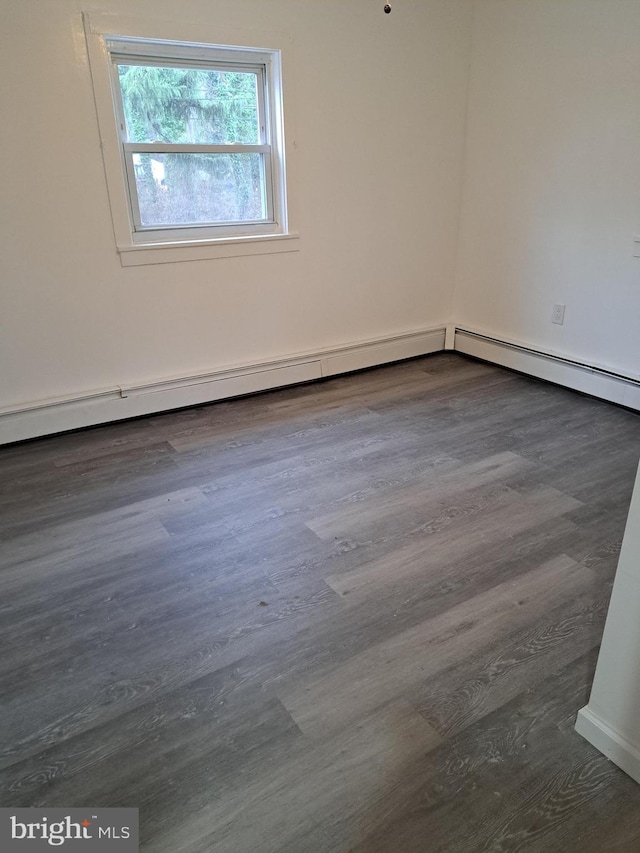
(196, 140)
(193, 139)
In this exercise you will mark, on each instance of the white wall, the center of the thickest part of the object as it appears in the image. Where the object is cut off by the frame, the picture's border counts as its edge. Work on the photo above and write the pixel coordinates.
(550, 205)
(379, 107)
(611, 720)
(552, 178)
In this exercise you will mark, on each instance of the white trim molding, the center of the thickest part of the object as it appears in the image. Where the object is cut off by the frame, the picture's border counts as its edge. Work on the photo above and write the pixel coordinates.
(45, 417)
(596, 380)
(610, 742)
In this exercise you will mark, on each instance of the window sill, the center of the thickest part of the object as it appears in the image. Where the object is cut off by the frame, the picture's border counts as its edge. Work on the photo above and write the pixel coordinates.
(202, 250)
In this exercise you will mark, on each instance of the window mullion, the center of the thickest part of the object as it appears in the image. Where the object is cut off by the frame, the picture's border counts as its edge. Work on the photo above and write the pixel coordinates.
(178, 148)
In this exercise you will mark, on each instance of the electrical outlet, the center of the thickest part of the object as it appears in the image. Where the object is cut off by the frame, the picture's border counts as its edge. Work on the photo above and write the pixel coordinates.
(557, 315)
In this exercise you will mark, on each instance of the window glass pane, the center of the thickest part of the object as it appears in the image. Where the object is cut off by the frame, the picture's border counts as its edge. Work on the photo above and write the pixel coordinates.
(189, 105)
(191, 189)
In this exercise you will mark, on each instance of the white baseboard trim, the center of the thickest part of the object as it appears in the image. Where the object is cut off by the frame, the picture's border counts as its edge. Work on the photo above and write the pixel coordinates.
(596, 380)
(46, 417)
(610, 742)
(450, 337)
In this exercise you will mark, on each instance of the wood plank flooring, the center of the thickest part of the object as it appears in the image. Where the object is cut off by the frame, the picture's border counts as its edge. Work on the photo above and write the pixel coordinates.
(358, 615)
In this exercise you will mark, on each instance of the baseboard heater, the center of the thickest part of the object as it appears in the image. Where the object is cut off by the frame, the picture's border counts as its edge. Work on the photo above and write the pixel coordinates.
(45, 417)
(596, 380)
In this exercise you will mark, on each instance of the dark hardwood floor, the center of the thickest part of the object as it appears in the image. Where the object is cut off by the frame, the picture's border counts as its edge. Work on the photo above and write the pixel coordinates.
(359, 615)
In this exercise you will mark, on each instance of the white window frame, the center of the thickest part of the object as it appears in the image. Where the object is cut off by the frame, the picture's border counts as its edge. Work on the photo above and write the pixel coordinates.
(111, 42)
